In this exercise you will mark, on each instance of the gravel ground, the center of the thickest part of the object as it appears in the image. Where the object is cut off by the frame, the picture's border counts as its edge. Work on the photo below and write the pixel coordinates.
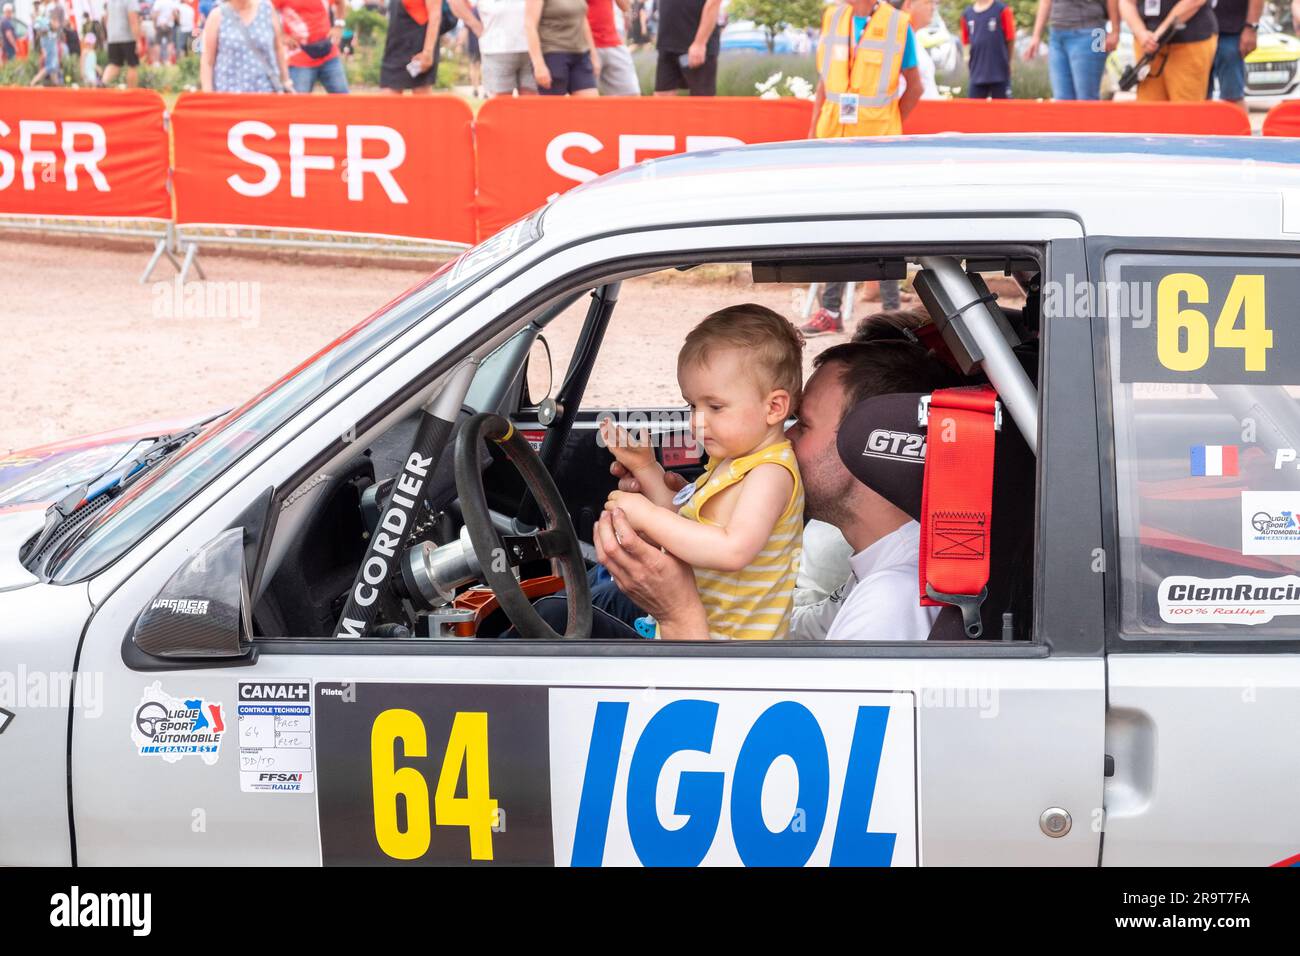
(88, 348)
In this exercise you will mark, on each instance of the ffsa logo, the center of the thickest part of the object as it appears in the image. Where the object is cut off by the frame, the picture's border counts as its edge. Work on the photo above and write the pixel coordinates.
(75, 908)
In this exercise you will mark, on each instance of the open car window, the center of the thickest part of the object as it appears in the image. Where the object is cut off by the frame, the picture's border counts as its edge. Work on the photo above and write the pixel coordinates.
(1205, 369)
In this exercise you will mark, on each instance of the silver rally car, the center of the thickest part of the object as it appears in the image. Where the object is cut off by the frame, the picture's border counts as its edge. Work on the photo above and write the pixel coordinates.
(276, 637)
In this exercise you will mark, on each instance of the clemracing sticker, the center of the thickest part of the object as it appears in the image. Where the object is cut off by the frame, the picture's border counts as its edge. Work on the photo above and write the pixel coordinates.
(1236, 600)
(175, 727)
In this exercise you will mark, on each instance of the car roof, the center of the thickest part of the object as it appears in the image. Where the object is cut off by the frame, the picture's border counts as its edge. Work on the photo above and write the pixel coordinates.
(1147, 185)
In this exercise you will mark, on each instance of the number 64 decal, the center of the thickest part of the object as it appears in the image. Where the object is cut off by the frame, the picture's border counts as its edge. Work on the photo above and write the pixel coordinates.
(1245, 299)
(467, 747)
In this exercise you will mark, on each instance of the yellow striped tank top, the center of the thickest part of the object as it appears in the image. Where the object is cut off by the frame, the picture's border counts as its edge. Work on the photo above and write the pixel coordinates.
(753, 604)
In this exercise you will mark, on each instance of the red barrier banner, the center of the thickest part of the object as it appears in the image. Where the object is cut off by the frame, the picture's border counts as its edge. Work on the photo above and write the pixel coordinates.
(1076, 116)
(86, 154)
(374, 165)
(530, 148)
(1283, 119)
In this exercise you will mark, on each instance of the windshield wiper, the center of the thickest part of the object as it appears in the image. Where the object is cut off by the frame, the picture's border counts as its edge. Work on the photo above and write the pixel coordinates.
(110, 482)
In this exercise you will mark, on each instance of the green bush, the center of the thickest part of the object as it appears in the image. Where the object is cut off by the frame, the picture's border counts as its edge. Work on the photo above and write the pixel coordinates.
(367, 26)
(18, 72)
(738, 71)
(363, 66)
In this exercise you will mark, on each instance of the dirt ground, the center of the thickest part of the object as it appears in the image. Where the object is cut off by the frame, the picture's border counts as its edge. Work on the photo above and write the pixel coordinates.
(88, 348)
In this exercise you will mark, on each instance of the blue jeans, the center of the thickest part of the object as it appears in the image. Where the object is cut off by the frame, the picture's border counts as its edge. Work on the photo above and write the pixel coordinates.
(1077, 59)
(330, 73)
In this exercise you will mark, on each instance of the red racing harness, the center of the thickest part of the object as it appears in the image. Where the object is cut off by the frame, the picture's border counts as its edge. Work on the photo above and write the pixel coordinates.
(957, 499)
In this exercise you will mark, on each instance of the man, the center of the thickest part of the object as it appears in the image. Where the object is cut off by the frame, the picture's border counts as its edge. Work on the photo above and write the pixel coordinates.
(865, 48)
(1180, 72)
(688, 47)
(879, 601)
(122, 24)
(1238, 35)
(617, 72)
(8, 34)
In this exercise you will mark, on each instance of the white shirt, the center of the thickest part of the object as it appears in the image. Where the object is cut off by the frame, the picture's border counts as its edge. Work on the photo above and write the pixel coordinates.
(879, 601)
(824, 563)
(185, 17)
(503, 26)
(164, 13)
(924, 63)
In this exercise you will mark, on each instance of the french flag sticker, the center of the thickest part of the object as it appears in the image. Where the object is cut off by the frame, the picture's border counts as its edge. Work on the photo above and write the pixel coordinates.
(1214, 460)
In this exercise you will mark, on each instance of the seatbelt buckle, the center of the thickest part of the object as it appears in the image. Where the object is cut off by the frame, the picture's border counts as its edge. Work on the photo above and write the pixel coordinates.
(968, 604)
(923, 413)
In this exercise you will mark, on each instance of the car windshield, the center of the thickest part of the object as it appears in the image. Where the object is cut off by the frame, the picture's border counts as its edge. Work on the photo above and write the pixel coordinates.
(106, 535)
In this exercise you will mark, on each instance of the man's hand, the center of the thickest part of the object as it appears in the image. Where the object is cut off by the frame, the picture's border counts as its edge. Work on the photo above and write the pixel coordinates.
(626, 482)
(655, 580)
(1031, 48)
(1146, 41)
(542, 75)
(695, 55)
(1249, 40)
(425, 59)
(1112, 40)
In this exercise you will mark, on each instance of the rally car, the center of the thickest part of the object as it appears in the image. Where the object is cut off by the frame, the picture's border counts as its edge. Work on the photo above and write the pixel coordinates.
(267, 639)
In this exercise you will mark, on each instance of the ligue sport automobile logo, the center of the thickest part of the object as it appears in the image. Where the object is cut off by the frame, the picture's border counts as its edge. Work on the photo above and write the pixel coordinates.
(1265, 523)
(174, 727)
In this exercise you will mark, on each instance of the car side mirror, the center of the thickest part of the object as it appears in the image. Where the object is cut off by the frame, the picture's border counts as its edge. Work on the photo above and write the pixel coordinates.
(202, 615)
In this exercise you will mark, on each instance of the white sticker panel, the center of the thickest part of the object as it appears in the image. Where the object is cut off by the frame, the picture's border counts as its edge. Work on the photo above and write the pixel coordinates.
(1236, 600)
(733, 777)
(275, 737)
(1270, 522)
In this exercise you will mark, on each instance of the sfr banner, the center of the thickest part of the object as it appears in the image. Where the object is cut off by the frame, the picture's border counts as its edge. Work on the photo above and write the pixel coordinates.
(376, 165)
(1214, 118)
(87, 154)
(530, 148)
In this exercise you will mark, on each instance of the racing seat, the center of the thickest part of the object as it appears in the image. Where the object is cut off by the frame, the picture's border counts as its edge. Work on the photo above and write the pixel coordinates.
(870, 448)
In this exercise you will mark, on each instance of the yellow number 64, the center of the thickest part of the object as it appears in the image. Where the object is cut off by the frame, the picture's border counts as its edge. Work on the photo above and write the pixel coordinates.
(1245, 298)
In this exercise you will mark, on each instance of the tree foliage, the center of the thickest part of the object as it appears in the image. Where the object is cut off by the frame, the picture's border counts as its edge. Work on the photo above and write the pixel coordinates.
(772, 15)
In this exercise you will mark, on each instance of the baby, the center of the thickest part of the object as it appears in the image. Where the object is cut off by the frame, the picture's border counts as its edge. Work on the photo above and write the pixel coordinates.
(740, 524)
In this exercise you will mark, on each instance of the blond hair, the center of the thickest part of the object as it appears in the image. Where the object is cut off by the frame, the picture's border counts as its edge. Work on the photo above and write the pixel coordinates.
(772, 343)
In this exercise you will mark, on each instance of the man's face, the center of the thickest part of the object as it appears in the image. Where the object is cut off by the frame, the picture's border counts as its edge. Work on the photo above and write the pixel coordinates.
(827, 484)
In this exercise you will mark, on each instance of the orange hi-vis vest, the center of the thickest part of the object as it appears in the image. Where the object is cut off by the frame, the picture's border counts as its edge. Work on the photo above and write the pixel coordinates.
(876, 63)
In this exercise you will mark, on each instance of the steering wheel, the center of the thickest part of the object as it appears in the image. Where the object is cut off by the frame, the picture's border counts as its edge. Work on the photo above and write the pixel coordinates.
(557, 540)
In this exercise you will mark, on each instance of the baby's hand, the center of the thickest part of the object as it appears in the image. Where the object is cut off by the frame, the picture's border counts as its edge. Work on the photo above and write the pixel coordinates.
(636, 455)
(635, 506)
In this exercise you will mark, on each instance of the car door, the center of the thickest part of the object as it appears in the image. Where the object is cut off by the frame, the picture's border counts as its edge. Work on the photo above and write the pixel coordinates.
(1203, 641)
(456, 751)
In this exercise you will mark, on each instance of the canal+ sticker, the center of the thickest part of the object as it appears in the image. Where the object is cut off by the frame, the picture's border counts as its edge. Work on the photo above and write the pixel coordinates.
(175, 727)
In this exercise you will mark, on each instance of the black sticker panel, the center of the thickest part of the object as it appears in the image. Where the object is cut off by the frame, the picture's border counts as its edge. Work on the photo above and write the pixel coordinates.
(433, 774)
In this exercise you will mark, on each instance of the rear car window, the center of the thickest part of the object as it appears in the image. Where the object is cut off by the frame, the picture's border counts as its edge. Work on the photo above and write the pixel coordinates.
(1205, 387)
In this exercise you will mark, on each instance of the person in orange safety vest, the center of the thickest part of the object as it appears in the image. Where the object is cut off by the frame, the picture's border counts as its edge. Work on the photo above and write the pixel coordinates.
(865, 46)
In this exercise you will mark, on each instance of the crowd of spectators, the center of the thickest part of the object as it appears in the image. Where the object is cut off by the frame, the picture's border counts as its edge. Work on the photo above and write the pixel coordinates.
(1190, 49)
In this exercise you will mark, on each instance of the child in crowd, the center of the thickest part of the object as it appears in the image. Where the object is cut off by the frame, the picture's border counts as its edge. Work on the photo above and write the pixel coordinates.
(988, 29)
(48, 28)
(89, 65)
(740, 524)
